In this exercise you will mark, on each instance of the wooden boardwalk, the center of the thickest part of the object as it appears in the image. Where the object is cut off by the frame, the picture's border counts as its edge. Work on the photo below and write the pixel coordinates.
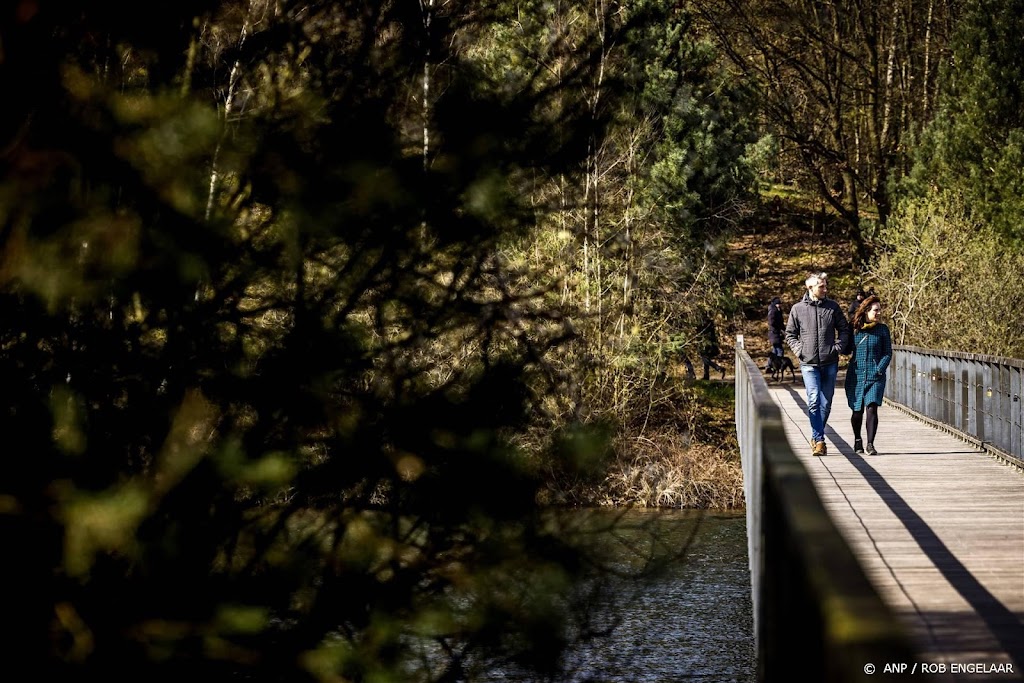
(938, 526)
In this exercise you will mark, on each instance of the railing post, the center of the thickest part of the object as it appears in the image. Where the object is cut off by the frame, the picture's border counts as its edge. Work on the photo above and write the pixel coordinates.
(979, 397)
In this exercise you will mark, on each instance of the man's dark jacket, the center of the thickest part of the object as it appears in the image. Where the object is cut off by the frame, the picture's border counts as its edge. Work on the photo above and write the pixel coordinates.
(817, 331)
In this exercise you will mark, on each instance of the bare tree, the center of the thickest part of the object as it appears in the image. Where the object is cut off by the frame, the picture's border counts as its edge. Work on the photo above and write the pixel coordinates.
(844, 84)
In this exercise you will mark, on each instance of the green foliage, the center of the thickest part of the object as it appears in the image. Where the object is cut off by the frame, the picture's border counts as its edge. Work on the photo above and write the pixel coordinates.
(700, 172)
(288, 295)
(943, 278)
(760, 157)
(644, 265)
(265, 363)
(959, 231)
(975, 144)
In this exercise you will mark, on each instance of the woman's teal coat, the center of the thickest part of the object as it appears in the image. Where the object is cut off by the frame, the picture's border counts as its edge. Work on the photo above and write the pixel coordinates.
(865, 375)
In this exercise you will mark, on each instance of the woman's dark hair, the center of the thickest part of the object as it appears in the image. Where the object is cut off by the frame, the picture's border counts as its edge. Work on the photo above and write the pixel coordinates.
(862, 311)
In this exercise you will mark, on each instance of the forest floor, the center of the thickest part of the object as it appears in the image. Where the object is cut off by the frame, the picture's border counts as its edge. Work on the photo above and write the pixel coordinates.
(772, 256)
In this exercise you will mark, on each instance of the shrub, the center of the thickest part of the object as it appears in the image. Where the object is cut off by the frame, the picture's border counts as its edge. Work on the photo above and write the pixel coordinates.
(948, 278)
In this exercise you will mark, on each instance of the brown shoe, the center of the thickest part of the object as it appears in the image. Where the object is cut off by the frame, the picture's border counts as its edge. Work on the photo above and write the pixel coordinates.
(819, 448)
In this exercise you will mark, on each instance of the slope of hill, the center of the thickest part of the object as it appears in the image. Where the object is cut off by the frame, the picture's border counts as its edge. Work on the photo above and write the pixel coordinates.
(773, 255)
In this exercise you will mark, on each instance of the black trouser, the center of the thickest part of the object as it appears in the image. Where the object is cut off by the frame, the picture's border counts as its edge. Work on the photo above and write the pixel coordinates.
(872, 424)
(708, 363)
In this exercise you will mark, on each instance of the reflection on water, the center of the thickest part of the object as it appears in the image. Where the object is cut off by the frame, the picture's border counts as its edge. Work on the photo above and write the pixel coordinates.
(691, 621)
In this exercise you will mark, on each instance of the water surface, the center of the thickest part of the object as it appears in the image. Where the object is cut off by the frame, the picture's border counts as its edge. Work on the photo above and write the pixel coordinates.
(693, 621)
(690, 621)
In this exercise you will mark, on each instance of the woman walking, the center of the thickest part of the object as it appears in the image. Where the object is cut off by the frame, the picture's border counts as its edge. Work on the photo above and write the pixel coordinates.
(775, 327)
(865, 375)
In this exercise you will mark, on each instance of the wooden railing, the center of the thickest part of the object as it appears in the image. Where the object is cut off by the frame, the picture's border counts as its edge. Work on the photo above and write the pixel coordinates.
(816, 615)
(978, 398)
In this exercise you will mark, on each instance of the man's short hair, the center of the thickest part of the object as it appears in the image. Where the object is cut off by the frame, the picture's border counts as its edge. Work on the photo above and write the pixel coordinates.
(815, 279)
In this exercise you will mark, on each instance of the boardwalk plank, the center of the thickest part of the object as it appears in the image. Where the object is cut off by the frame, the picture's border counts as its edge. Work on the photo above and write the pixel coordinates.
(938, 526)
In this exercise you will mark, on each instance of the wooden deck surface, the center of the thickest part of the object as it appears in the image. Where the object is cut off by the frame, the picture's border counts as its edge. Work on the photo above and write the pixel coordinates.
(938, 526)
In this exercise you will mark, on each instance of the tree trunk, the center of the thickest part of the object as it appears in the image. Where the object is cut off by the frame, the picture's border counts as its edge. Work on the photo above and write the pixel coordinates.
(229, 102)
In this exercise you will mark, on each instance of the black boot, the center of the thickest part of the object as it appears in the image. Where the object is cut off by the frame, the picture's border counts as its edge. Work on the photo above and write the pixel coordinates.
(858, 446)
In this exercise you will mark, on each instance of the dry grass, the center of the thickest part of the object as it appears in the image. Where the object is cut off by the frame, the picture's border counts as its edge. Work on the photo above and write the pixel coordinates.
(688, 459)
(666, 471)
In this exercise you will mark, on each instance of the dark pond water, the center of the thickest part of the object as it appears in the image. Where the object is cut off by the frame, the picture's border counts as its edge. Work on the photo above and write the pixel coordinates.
(693, 621)
(690, 622)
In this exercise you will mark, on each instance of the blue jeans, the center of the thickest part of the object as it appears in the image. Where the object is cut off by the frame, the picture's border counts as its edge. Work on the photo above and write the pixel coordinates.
(820, 383)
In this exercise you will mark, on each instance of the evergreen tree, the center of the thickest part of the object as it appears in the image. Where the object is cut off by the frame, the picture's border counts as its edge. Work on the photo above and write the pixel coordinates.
(259, 354)
(975, 145)
(700, 177)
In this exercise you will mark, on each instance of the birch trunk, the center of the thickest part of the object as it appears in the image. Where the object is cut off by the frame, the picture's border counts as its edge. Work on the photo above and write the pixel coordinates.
(229, 104)
(427, 11)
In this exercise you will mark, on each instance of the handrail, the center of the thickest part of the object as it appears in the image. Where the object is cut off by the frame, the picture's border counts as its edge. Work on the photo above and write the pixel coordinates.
(815, 611)
(973, 396)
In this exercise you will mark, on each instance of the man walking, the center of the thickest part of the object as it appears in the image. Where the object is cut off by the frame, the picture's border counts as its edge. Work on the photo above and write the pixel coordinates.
(709, 345)
(816, 332)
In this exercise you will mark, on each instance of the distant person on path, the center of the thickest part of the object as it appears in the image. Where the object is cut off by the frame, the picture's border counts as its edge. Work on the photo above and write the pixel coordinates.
(816, 332)
(855, 304)
(709, 346)
(775, 328)
(865, 375)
